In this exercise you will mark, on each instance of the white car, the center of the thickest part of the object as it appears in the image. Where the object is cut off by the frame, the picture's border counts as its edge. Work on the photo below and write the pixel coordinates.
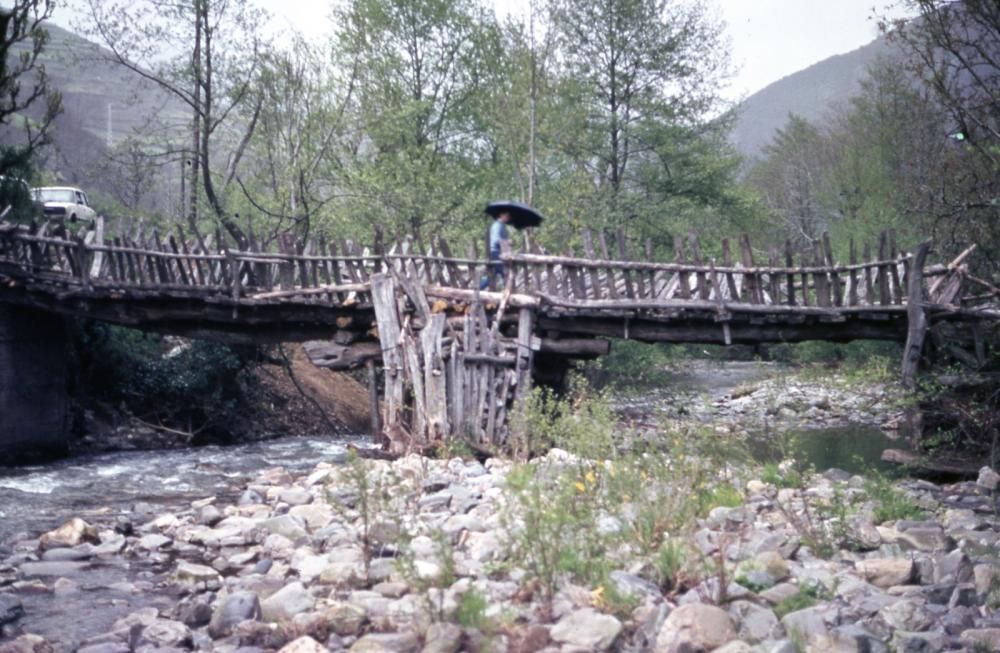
(64, 202)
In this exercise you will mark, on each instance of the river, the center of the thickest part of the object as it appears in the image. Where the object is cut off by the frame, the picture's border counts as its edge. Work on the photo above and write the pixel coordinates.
(114, 488)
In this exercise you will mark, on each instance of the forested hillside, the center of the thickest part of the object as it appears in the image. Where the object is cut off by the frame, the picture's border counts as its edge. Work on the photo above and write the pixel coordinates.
(811, 93)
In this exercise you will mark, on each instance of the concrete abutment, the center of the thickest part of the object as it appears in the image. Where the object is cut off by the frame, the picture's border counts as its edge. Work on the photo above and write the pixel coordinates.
(34, 403)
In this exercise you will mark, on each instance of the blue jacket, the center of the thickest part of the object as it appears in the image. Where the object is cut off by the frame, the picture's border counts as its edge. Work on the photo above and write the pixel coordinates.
(498, 232)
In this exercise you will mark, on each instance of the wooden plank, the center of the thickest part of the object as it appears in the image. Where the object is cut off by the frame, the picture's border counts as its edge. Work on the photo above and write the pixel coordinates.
(126, 259)
(727, 260)
(197, 272)
(820, 279)
(379, 247)
(185, 279)
(456, 391)
(575, 287)
(916, 318)
(897, 289)
(723, 314)
(484, 379)
(415, 377)
(610, 280)
(373, 405)
(751, 284)
(347, 247)
(682, 277)
(234, 280)
(454, 277)
(524, 355)
(700, 282)
(624, 256)
(883, 273)
(838, 291)
(654, 278)
(387, 319)
(435, 379)
(869, 284)
(588, 250)
(789, 278)
(773, 281)
(98, 263)
(852, 292)
(474, 275)
(162, 264)
(805, 280)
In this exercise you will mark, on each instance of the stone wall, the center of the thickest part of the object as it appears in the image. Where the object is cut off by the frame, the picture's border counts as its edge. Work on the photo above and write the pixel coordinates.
(33, 400)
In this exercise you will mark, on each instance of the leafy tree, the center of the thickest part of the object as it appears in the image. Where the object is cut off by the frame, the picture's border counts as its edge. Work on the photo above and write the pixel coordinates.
(793, 179)
(888, 157)
(419, 65)
(206, 54)
(647, 74)
(301, 140)
(28, 106)
(954, 49)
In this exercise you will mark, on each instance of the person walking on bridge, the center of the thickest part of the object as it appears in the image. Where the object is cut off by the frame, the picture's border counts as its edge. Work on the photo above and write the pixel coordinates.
(505, 213)
(498, 235)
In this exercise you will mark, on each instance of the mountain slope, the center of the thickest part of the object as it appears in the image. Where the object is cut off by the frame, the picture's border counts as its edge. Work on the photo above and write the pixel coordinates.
(811, 93)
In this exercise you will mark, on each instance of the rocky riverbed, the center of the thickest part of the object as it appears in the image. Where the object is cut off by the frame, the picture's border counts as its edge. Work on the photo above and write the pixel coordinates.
(767, 395)
(415, 555)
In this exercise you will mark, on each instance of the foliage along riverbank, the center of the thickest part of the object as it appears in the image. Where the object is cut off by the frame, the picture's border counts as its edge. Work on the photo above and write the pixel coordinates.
(680, 544)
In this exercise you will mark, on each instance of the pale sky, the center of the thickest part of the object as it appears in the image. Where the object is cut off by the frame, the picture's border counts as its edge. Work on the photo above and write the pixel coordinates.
(770, 38)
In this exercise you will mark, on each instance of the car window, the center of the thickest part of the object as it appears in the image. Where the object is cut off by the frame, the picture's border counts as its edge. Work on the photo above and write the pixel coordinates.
(81, 198)
(55, 195)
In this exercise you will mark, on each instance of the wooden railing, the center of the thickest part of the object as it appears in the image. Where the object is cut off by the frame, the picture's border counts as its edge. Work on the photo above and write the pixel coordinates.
(340, 272)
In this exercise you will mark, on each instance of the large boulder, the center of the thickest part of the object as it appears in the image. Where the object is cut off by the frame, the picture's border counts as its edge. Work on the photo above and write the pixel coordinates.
(289, 526)
(886, 572)
(287, 602)
(74, 532)
(981, 639)
(304, 644)
(345, 618)
(586, 628)
(695, 628)
(197, 577)
(231, 610)
(387, 643)
(442, 637)
(10, 609)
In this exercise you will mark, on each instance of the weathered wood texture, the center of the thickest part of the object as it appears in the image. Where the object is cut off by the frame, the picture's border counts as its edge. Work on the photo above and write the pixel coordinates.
(456, 339)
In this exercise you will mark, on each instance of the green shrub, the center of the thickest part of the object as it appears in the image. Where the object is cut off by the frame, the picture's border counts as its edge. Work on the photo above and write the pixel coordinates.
(783, 478)
(583, 423)
(471, 612)
(891, 503)
(184, 383)
(806, 597)
(716, 496)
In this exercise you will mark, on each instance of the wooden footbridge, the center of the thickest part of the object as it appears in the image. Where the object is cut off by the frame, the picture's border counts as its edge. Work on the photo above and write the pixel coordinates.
(457, 359)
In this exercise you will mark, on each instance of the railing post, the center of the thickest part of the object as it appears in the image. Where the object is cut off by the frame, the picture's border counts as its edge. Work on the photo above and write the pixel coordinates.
(234, 279)
(83, 260)
(916, 316)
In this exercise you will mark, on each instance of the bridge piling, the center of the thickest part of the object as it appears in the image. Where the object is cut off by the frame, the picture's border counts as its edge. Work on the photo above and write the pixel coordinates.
(34, 404)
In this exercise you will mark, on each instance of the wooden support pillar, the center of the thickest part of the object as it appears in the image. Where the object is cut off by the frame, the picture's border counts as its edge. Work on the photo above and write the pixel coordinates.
(373, 406)
(387, 318)
(916, 317)
(435, 379)
(524, 355)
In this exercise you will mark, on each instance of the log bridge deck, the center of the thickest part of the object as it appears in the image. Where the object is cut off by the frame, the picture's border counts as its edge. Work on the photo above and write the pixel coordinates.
(458, 359)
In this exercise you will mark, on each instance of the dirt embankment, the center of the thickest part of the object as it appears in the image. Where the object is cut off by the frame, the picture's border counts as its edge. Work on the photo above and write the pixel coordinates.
(272, 403)
(317, 401)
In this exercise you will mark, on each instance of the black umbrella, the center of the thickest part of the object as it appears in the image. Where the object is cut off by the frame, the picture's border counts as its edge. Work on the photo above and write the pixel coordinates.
(521, 215)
